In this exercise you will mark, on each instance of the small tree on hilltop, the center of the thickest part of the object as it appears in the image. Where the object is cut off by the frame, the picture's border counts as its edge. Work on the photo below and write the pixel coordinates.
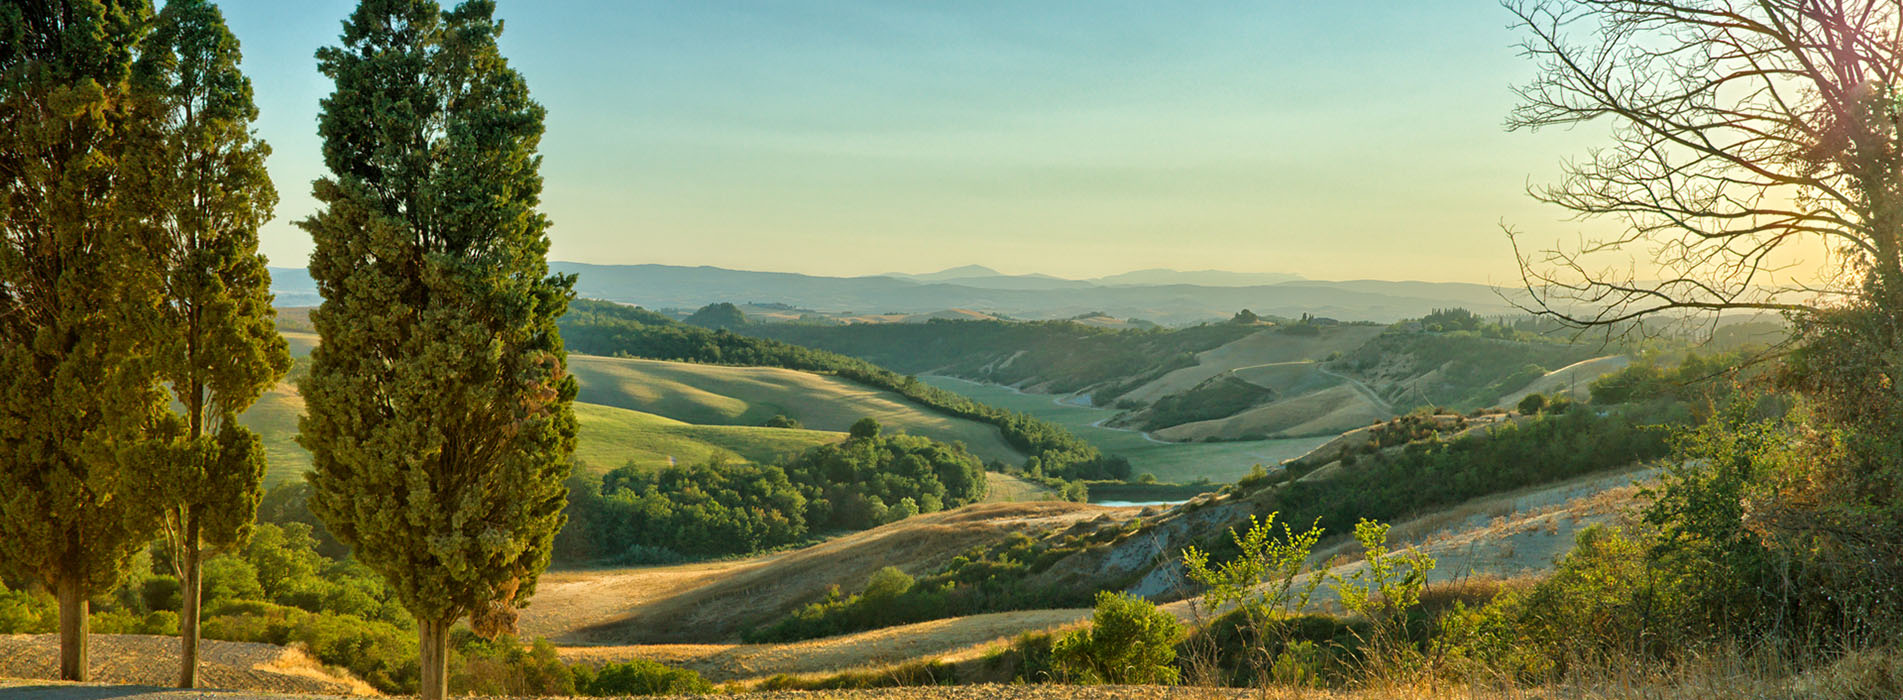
(439, 403)
(864, 429)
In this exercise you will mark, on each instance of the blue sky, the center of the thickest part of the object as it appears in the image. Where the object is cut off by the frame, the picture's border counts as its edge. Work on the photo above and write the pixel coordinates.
(1338, 140)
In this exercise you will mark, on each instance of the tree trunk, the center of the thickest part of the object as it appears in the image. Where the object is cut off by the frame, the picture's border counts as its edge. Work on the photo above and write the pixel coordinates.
(72, 629)
(433, 658)
(189, 592)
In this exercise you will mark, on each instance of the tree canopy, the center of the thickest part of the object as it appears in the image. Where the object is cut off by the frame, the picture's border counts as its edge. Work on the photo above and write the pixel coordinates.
(77, 305)
(439, 403)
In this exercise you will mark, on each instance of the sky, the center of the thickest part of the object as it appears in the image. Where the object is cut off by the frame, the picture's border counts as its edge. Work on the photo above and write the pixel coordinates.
(1335, 140)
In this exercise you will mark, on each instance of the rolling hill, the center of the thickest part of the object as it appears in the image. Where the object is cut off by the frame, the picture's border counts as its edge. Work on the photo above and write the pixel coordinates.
(612, 437)
(647, 411)
(742, 396)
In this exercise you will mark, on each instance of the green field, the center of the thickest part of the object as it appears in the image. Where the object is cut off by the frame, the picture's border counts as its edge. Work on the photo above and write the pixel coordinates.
(748, 396)
(274, 418)
(1169, 461)
(612, 437)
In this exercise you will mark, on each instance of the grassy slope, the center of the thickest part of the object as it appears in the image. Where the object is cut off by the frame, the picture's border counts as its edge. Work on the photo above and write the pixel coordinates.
(644, 412)
(274, 418)
(611, 437)
(721, 395)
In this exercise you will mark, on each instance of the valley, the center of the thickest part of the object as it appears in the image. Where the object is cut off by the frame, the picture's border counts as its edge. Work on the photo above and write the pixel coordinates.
(654, 349)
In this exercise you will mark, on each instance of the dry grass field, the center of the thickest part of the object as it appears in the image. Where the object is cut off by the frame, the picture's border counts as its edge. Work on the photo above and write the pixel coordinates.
(1264, 348)
(1327, 412)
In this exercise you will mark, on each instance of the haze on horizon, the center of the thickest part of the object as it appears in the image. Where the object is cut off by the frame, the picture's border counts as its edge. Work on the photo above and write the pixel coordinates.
(1076, 139)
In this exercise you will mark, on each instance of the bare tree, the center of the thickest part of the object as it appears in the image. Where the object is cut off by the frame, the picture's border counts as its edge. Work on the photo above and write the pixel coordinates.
(1745, 134)
(1742, 130)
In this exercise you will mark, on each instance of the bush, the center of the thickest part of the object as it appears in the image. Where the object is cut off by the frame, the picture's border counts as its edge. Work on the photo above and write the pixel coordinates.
(23, 612)
(1129, 641)
(639, 677)
(505, 667)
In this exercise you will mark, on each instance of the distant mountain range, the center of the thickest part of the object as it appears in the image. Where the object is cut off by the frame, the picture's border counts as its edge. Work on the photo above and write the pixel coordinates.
(981, 277)
(1163, 296)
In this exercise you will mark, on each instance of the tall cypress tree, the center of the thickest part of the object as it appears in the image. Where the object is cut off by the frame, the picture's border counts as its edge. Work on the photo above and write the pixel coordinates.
(76, 299)
(205, 192)
(438, 404)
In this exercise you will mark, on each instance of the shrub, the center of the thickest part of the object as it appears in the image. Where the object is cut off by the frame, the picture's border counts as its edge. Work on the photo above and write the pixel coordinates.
(23, 612)
(1385, 590)
(505, 667)
(1129, 641)
(639, 677)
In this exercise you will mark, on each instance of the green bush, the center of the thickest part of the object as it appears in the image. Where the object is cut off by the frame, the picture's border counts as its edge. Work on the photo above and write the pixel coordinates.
(503, 666)
(23, 612)
(639, 677)
(1129, 641)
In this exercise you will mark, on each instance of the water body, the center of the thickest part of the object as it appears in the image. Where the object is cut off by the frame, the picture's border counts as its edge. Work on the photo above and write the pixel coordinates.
(1221, 462)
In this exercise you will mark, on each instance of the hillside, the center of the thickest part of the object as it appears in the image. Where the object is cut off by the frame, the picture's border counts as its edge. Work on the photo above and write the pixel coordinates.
(748, 396)
(645, 412)
(612, 436)
(714, 602)
(669, 612)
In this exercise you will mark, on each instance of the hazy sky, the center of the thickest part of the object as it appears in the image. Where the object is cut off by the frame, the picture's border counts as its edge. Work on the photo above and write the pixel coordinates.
(1337, 140)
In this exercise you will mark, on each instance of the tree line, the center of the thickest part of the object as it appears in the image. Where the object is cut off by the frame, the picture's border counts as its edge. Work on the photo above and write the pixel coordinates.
(635, 515)
(136, 320)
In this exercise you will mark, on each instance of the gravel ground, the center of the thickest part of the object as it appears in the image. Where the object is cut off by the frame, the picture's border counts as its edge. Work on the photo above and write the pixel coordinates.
(151, 661)
(48, 690)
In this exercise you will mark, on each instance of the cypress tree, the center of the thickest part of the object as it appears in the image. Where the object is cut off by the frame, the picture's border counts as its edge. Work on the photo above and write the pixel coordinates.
(205, 192)
(76, 299)
(438, 404)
